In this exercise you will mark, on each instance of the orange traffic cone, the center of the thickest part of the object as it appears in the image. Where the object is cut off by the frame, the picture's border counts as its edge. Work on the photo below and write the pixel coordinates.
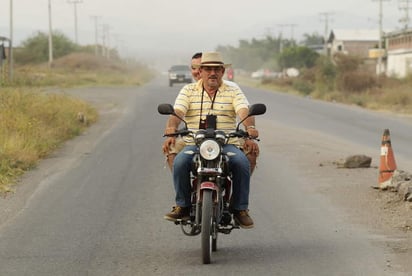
(387, 163)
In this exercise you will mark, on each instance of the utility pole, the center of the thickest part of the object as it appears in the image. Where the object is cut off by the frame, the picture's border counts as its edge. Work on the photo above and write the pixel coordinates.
(281, 33)
(292, 28)
(119, 47)
(50, 37)
(75, 2)
(405, 5)
(106, 41)
(326, 19)
(281, 36)
(11, 65)
(96, 34)
(379, 70)
(268, 32)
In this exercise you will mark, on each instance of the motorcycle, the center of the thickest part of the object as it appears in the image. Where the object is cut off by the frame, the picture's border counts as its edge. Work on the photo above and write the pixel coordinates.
(211, 182)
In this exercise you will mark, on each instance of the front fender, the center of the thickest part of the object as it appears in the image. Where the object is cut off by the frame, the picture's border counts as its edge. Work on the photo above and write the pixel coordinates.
(207, 185)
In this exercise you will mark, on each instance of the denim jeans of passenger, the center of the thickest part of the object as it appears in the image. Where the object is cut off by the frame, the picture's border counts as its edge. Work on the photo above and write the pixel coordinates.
(238, 164)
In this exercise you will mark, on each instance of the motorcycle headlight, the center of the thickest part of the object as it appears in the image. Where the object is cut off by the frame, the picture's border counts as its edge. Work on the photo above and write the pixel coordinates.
(209, 149)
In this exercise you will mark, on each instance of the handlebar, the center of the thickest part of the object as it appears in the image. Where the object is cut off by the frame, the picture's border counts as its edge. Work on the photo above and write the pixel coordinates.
(239, 133)
(181, 132)
(242, 134)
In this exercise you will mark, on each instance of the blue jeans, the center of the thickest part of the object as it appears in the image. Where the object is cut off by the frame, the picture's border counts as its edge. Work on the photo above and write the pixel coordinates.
(238, 164)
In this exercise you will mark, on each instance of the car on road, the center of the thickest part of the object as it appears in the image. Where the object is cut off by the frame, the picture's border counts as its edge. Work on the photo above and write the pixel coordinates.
(180, 74)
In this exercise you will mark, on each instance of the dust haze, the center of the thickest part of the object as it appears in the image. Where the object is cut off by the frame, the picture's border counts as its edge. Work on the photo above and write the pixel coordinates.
(161, 32)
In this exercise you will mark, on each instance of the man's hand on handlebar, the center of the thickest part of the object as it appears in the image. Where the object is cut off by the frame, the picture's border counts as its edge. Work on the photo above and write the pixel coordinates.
(253, 133)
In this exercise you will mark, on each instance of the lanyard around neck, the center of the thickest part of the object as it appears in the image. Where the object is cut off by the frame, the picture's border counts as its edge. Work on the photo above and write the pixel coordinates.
(201, 103)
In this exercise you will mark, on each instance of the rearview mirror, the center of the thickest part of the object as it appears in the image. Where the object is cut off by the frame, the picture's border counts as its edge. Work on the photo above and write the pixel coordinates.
(257, 109)
(165, 109)
(254, 109)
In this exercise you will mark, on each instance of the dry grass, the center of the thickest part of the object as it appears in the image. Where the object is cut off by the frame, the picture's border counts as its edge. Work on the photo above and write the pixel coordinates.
(393, 98)
(358, 87)
(80, 69)
(34, 123)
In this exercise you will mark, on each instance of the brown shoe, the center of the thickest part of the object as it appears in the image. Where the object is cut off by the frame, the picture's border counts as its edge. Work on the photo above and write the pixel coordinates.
(178, 212)
(243, 219)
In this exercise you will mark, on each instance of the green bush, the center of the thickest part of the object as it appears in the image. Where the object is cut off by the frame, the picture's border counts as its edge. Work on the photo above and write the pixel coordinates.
(305, 87)
(35, 49)
(325, 75)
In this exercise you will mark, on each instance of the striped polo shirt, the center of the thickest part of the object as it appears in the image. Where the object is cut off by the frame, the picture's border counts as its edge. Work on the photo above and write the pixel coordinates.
(228, 101)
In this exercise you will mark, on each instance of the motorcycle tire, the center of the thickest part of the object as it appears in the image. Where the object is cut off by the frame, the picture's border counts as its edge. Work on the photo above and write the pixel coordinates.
(207, 224)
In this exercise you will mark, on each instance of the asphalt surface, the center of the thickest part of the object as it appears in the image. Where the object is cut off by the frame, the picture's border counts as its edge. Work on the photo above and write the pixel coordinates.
(96, 206)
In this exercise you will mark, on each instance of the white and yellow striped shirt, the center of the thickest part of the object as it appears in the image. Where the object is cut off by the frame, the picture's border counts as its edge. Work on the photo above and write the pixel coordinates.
(228, 101)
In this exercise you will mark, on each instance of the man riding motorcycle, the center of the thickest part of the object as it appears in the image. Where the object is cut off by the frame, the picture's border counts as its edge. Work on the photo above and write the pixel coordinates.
(251, 149)
(211, 96)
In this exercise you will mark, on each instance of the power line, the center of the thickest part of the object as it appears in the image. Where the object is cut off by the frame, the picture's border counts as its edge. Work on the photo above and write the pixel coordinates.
(280, 37)
(75, 2)
(379, 71)
(287, 25)
(405, 6)
(50, 36)
(11, 65)
(106, 40)
(96, 34)
(281, 34)
(292, 26)
(325, 17)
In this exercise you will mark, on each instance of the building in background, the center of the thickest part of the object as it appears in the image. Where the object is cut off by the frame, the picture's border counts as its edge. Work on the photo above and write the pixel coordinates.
(399, 53)
(352, 42)
(361, 43)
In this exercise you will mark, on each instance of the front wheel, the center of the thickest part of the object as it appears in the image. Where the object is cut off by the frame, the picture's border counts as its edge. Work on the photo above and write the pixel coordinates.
(207, 226)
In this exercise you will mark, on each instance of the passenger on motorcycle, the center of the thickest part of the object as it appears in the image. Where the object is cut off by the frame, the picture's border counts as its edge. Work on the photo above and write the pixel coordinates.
(251, 149)
(211, 96)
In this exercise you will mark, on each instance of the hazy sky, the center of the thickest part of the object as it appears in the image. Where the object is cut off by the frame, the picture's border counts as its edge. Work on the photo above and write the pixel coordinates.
(175, 29)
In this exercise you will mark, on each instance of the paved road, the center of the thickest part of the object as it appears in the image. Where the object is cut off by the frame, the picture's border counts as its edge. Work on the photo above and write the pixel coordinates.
(97, 207)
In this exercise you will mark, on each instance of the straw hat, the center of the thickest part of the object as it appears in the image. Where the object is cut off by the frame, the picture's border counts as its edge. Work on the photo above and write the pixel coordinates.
(212, 59)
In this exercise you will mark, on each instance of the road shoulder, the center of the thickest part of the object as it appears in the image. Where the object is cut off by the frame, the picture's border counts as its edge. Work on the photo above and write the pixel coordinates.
(383, 214)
